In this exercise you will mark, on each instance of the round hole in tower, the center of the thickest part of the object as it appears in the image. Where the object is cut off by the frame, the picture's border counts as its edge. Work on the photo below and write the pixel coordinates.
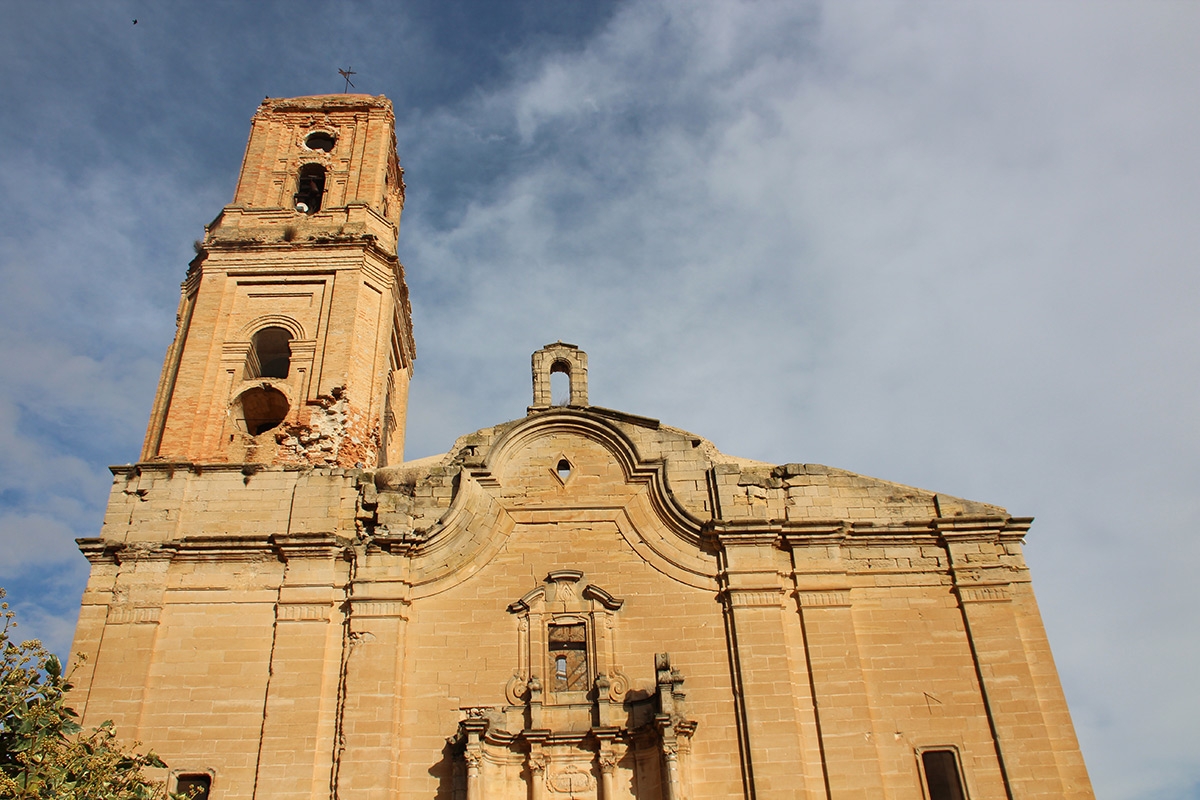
(320, 141)
(260, 409)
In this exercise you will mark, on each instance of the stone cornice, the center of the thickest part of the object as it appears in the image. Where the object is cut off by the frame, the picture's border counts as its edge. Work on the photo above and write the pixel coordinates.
(263, 239)
(743, 532)
(325, 103)
(801, 533)
(310, 545)
(217, 547)
(98, 551)
(224, 548)
(970, 527)
(199, 468)
(823, 598)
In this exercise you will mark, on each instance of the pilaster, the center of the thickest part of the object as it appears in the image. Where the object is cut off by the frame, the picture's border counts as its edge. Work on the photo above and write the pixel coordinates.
(752, 594)
(126, 651)
(842, 705)
(368, 741)
(983, 584)
(295, 758)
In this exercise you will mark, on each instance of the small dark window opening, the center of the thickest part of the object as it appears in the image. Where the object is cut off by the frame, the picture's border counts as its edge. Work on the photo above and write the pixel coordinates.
(568, 651)
(320, 141)
(261, 409)
(193, 786)
(560, 383)
(563, 469)
(941, 775)
(270, 354)
(310, 188)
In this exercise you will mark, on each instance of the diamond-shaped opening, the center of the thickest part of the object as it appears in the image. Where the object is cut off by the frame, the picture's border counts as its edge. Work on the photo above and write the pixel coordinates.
(561, 467)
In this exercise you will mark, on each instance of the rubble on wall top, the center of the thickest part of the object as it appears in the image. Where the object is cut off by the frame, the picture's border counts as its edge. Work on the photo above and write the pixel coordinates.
(325, 101)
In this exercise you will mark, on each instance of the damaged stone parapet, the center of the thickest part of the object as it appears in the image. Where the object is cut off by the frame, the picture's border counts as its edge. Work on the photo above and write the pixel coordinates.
(241, 228)
(155, 502)
(813, 491)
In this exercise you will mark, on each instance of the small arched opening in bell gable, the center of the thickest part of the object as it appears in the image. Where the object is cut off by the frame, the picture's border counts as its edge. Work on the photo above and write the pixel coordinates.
(560, 383)
(310, 188)
(270, 354)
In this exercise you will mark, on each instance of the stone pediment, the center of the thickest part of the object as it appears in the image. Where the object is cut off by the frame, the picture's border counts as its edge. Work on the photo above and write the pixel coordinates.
(693, 482)
(564, 467)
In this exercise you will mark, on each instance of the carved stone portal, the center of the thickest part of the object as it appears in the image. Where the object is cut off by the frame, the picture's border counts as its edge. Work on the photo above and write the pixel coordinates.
(570, 727)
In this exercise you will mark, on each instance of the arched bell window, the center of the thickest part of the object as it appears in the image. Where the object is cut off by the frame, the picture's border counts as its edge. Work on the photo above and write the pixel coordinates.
(559, 377)
(270, 354)
(560, 383)
(310, 188)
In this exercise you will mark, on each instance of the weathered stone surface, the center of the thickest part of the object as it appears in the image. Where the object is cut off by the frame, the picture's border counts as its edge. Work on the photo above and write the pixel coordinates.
(577, 603)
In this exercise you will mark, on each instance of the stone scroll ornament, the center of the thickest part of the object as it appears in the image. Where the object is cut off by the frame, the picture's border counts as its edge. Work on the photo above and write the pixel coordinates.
(589, 606)
(571, 780)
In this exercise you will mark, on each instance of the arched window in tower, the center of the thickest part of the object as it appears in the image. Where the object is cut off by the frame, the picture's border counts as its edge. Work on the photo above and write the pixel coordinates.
(270, 354)
(560, 383)
(310, 188)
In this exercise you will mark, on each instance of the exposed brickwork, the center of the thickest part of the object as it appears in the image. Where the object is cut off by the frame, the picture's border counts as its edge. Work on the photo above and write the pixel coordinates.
(329, 278)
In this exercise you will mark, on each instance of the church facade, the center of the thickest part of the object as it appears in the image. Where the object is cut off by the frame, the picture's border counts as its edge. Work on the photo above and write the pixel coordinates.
(579, 603)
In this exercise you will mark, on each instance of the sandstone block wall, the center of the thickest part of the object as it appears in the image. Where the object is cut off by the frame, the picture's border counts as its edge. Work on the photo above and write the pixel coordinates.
(320, 632)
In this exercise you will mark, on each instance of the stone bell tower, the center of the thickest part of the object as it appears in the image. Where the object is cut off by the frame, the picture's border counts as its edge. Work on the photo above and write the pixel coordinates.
(294, 342)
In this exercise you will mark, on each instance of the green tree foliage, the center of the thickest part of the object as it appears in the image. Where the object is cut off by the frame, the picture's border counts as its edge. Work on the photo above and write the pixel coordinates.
(44, 752)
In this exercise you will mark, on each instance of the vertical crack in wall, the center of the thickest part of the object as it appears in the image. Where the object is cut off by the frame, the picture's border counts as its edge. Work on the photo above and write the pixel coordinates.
(262, 730)
(339, 723)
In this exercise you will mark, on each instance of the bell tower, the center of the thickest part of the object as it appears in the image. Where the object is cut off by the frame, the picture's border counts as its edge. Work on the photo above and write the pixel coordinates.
(294, 335)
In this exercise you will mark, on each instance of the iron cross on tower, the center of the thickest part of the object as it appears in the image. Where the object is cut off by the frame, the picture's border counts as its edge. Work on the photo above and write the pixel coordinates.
(346, 73)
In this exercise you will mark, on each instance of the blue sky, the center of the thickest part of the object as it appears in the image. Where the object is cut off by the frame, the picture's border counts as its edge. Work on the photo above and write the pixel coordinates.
(950, 245)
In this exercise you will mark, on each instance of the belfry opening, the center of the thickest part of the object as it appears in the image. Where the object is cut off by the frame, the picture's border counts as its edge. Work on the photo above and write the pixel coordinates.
(270, 354)
(310, 188)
